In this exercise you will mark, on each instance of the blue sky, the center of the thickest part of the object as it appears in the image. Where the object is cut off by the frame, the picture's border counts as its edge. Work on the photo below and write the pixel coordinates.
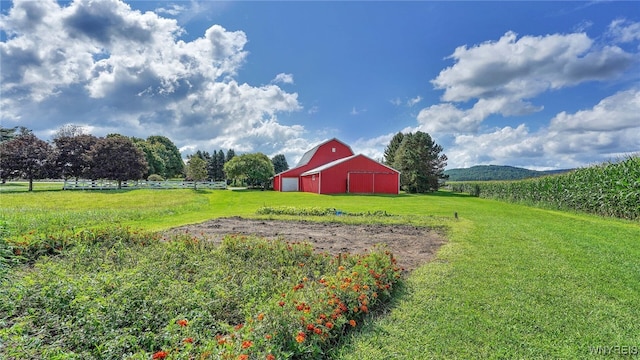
(542, 85)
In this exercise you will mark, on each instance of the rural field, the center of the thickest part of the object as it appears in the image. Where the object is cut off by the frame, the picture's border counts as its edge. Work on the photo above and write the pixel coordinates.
(101, 274)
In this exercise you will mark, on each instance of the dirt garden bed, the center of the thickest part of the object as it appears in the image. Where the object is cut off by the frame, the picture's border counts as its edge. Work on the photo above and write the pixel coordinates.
(411, 245)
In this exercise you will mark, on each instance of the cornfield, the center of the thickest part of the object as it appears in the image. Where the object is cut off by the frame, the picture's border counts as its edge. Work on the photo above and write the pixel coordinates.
(609, 189)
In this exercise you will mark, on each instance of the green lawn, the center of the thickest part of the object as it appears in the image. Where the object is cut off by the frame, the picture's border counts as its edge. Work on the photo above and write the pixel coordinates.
(513, 281)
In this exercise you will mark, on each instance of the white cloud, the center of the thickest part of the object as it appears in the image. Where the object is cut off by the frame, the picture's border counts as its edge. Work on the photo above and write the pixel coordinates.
(172, 9)
(606, 131)
(620, 111)
(283, 79)
(522, 68)
(505, 76)
(447, 117)
(414, 101)
(502, 75)
(624, 31)
(115, 69)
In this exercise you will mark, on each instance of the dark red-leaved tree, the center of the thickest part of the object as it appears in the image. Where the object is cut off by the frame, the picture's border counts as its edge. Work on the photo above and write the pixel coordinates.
(24, 156)
(70, 154)
(116, 158)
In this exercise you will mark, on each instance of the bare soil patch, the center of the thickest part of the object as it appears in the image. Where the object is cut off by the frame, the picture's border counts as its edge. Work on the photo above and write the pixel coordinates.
(411, 245)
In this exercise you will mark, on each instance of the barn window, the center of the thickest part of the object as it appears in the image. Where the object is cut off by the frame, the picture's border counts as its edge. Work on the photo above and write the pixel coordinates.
(313, 178)
(333, 149)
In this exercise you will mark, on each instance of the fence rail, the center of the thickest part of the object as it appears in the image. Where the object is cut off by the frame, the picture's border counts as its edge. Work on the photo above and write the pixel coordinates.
(141, 184)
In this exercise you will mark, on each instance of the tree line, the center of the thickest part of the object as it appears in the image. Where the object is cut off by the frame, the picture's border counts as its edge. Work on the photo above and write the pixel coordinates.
(75, 154)
(72, 153)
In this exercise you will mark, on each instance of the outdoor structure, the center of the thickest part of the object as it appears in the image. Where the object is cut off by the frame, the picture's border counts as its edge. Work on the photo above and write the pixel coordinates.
(332, 168)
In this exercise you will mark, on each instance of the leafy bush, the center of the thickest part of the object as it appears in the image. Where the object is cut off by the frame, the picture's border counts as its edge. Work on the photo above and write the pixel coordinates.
(122, 294)
(155, 177)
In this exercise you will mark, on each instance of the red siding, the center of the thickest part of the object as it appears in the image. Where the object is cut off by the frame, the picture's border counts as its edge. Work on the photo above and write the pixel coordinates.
(386, 183)
(370, 177)
(324, 154)
(310, 183)
(276, 182)
(361, 182)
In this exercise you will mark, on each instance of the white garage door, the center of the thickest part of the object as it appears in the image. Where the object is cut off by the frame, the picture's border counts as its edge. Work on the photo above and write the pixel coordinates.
(290, 184)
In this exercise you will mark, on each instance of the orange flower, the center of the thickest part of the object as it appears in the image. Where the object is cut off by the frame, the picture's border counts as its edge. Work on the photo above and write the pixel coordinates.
(364, 308)
(246, 344)
(268, 337)
(182, 322)
(239, 326)
(243, 357)
(352, 323)
(281, 303)
(270, 357)
(160, 355)
(317, 331)
(300, 337)
(188, 340)
(329, 325)
(260, 316)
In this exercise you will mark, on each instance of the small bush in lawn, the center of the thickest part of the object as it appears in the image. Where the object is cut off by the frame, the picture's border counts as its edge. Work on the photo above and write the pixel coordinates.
(155, 177)
(123, 294)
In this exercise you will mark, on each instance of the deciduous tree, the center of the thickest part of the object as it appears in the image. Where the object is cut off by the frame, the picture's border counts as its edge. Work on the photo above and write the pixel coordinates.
(116, 158)
(24, 156)
(254, 169)
(174, 166)
(196, 170)
(70, 154)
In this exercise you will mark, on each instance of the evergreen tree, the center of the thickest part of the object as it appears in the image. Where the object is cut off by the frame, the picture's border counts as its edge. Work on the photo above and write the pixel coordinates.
(420, 162)
(279, 163)
(390, 150)
(230, 155)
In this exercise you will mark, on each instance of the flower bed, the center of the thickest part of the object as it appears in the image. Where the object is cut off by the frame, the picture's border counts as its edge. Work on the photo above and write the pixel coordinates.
(135, 295)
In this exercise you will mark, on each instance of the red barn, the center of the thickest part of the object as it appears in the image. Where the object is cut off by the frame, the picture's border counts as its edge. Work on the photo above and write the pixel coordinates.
(332, 168)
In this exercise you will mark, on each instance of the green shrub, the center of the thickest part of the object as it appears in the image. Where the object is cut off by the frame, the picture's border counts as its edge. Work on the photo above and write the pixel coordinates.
(155, 177)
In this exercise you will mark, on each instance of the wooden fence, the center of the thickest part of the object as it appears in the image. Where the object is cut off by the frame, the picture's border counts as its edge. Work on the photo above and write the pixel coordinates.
(140, 184)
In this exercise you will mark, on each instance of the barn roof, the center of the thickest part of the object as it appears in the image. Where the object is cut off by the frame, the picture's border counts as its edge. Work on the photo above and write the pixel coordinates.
(339, 161)
(309, 154)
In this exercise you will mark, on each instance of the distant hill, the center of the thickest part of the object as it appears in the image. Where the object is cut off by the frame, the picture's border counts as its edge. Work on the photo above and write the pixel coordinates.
(496, 172)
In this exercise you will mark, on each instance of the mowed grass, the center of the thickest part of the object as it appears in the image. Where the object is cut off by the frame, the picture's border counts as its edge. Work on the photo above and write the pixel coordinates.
(513, 281)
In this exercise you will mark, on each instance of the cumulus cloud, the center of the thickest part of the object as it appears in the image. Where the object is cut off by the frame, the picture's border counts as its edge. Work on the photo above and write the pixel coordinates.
(115, 69)
(608, 130)
(504, 77)
(525, 67)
